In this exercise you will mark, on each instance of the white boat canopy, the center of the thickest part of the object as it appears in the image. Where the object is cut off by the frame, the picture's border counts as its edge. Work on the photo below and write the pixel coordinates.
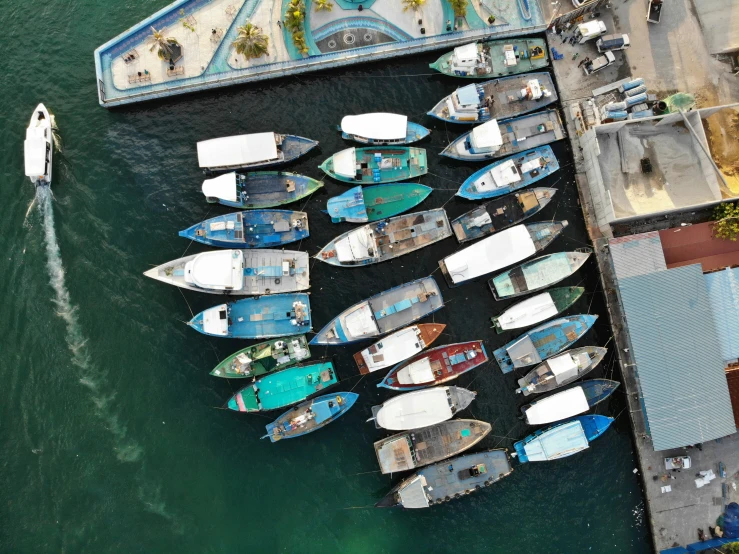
(393, 349)
(223, 187)
(219, 270)
(416, 373)
(412, 493)
(559, 406)
(239, 150)
(378, 126)
(465, 55)
(34, 149)
(530, 311)
(345, 162)
(502, 175)
(487, 137)
(415, 409)
(395, 455)
(215, 320)
(360, 323)
(560, 442)
(563, 367)
(468, 96)
(355, 245)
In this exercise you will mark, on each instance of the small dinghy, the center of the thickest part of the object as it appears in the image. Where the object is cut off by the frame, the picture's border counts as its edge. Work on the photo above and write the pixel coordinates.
(386, 164)
(310, 416)
(421, 408)
(387, 239)
(367, 204)
(263, 317)
(442, 482)
(259, 189)
(38, 147)
(501, 213)
(537, 308)
(397, 347)
(511, 174)
(561, 440)
(284, 388)
(561, 370)
(436, 366)
(381, 129)
(427, 445)
(568, 403)
(383, 313)
(497, 139)
(266, 357)
(494, 58)
(252, 229)
(537, 274)
(542, 342)
(251, 151)
(501, 98)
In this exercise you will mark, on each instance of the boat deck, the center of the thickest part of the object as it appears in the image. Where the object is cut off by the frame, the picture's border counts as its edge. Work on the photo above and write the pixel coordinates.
(447, 479)
(256, 229)
(266, 189)
(264, 357)
(534, 130)
(537, 274)
(392, 199)
(269, 316)
(404, 234)
(275, 271)
(502, 98)
(289, 386)
(395, 165)
(405, 304)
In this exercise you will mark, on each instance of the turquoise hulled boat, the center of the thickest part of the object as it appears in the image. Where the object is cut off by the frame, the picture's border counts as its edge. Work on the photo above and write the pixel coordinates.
(367, 204)
(384, 164)
(494, 58)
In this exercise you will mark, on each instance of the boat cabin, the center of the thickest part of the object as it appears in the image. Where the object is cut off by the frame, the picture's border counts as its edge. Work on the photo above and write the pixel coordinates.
(486, 138)
(464, 104)
(471, 59)
(559, 406)
(219, 270)
(240, 151)
(381, 128)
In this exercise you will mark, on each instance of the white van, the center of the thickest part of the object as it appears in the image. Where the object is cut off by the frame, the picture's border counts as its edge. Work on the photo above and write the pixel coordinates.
(612, 42)
(590, 30)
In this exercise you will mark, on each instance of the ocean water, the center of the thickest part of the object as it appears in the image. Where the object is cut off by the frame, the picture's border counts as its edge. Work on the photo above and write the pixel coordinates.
(111, 432)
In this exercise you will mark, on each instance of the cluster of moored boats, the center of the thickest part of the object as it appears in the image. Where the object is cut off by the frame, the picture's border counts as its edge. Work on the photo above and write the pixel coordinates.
(251, 263)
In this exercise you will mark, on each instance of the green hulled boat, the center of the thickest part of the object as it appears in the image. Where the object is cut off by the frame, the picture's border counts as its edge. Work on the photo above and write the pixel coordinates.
(265, 357)
(367, 204)
(284, 388)
(376, 165)
(494, 58)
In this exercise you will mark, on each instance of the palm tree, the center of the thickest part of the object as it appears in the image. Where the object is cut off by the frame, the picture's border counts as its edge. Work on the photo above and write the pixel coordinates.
(414, 5)
(251, 42)
(166, 45)
(326, 5)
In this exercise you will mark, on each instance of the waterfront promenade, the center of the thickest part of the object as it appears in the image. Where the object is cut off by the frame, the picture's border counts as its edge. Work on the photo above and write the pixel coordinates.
(128, 70)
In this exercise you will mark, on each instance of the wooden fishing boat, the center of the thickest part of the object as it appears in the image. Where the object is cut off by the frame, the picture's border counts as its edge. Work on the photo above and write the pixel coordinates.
(387, 239)
(421, 408)
(510, 174)
(427, 445)
(383, 313)
(568, 403)
(381, 129)
(561, 440)
(310, 416)
(266, 357)
(542, 342)
(537, 308)
(397, 347)
(450, 479)
(237, 272)
(252, 229)
(251, 151)
(501, 213)
(263, 317)
(436, 366)
(497, 139)
(367, 204)
(500, 99)
(494, 58)
(259, 189)
(499, 250)
(537, 274)
(386, 164)
(561, 370)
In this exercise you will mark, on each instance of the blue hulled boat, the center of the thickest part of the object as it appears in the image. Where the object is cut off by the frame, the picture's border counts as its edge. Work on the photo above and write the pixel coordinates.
(310, 416)
(262, 317)
(543, 342)
(562, 440)
(510, 174)
(252, 229)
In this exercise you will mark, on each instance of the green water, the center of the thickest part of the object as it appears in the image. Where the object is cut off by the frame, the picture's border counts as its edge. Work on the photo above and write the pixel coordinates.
(110, 437)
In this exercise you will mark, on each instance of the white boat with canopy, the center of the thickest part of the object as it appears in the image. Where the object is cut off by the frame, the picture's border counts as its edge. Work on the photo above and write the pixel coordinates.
(529, 312)
(38, 146)
(398, 346)
(562, 441)
(388, 128)
(421, 408)
(222, 187)
(251, 151)
(561, 405)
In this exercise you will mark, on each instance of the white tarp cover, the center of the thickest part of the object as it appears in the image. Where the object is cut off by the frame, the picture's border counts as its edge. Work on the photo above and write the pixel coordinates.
(468, 96)
(563, 367)
(532, 164)
(354, 246)
(360, 323)
(395, 455)
(523, 352)
(35, 156)
(560, 442)
(221, 269)
(490, 254)
(223, 187)
(238, 150)
(465, 55)
(559, 406)
(412, 493)
(345, 162)
(378, 126)
(530, 311)
(415, 409)
(505, 173)
(486, 136)
(591, 28)
(416, 373)
(213, 322)
(393, 349)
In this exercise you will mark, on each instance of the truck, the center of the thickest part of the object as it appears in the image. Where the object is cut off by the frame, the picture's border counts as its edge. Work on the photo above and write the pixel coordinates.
(612, 42)
(599, 63)
(654, 11)
(589, 30)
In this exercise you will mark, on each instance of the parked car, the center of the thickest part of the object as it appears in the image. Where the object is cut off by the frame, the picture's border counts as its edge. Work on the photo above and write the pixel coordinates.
(612, 42)
(599, 63)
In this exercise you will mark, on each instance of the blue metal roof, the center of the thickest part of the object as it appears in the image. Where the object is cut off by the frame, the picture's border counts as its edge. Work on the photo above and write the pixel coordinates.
(678, 357)
(723, 293)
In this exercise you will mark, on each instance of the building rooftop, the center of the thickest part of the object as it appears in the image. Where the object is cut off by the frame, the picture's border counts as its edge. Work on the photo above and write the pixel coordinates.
(695, 244)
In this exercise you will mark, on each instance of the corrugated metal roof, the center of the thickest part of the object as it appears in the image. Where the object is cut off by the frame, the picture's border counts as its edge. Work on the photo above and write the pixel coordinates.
(637, 255)
(678, 357)
(723, 293)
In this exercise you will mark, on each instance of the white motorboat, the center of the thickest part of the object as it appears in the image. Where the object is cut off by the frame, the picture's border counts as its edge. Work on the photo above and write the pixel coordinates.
(39, 146)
